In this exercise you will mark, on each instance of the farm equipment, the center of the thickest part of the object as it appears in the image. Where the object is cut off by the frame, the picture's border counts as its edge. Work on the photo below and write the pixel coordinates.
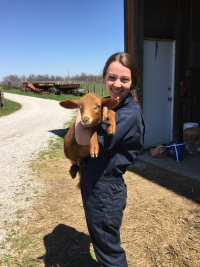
(45, 88)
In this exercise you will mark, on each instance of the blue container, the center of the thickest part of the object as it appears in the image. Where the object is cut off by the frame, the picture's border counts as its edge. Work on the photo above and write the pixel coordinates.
(175, 150)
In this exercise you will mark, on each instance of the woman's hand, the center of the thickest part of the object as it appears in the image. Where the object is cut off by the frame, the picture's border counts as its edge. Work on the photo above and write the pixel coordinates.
(82, 134)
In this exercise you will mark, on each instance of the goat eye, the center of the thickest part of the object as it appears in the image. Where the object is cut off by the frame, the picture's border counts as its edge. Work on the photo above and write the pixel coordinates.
(98, 107)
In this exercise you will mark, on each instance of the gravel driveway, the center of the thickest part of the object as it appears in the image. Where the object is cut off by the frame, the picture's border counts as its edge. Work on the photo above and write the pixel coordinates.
(22, 135)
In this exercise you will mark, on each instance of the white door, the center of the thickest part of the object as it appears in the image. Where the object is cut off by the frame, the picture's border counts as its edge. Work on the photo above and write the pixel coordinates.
(158, 91)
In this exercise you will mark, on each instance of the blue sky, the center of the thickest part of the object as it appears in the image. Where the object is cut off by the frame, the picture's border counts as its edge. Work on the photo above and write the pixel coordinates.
(53, 36)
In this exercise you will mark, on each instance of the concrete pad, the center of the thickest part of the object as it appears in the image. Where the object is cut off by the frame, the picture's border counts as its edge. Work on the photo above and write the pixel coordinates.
(139, 165)
(189, 166)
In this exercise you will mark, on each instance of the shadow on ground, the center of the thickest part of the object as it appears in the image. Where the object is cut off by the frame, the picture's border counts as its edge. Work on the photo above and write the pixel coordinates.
(65, 246)
(179, 184)
(60, 132)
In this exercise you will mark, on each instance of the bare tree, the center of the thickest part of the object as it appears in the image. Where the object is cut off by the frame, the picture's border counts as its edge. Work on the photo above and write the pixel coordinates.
(91, 78)
(31, 77)
(53, 78)
(47, 77)
(23, 78)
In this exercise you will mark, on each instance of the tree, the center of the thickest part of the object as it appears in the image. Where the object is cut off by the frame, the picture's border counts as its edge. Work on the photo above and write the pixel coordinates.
(42, 78)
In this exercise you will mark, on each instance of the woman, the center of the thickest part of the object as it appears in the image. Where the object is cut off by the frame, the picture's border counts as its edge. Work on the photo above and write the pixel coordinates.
(103, 189)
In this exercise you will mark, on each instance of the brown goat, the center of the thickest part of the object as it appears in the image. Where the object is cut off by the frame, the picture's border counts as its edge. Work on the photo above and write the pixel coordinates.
(94, 110)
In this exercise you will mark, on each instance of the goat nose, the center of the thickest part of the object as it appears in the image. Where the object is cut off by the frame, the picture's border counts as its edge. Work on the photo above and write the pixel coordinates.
(85, 119)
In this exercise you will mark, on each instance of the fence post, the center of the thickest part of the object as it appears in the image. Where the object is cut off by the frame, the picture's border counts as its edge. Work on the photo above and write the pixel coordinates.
(102, 89)
(94, 88)
(2, 99)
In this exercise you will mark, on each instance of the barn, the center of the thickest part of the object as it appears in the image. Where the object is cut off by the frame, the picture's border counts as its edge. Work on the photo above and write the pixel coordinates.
(164, 38)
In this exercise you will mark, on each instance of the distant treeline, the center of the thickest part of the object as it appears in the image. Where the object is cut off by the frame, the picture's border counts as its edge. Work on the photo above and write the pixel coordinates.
(34, 78)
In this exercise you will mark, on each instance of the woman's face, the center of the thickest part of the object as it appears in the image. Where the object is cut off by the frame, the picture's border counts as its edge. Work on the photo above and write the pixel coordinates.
(118, 80)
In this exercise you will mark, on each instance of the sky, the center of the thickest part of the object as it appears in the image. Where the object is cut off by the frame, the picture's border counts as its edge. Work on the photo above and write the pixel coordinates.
(57, 37)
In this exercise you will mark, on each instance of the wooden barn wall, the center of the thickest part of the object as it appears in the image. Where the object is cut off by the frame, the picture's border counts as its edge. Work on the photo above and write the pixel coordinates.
(159, 18)
(190, 102)
(191, 25)
(134, 36)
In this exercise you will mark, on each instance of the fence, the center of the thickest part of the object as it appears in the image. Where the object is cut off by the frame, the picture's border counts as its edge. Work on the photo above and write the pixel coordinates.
(99, 89)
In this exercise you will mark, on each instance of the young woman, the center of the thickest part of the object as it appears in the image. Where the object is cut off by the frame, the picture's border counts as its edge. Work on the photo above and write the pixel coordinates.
(103, 189)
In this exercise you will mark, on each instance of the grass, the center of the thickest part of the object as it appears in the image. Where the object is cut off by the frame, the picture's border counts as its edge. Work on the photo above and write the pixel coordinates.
(55, 149)
(22, 244)
(10, 107)
(50, 96)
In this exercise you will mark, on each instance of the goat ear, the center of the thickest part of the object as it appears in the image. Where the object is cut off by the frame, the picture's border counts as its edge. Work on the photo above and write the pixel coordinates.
(110, 102)
(71, 104)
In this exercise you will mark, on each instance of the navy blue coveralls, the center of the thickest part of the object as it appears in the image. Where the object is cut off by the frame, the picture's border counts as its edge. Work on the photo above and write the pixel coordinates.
(103, 189)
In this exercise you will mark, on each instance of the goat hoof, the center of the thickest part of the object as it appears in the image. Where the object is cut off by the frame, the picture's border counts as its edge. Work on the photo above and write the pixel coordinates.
(92, 155)
(96, 155)
(110, 132)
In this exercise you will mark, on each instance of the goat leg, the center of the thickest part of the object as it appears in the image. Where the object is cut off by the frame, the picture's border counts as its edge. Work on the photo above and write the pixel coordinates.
(73, 170)
(77, 168)
(111, 124)
(94, 144)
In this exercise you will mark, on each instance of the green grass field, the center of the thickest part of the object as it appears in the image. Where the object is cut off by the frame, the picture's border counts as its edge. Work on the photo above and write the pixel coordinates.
(10, 107)
(50, 96)
(97, 88)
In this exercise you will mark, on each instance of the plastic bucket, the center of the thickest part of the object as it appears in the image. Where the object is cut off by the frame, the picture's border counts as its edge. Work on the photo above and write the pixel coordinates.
(189, 125)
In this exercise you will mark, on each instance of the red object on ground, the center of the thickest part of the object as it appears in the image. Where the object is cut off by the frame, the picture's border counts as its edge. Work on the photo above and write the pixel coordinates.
(158, 152)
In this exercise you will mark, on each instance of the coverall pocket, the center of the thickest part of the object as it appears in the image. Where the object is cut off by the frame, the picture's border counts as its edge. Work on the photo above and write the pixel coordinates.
(117, 190)
(116, 203)
(101, 196)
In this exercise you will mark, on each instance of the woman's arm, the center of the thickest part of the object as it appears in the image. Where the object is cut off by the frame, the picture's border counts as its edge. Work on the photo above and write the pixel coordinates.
(82, 133)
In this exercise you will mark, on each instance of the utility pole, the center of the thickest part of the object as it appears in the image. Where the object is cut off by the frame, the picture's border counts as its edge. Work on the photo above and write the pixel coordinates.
(68, 76)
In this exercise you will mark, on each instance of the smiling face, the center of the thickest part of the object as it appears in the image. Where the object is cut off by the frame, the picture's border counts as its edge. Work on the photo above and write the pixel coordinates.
(118, 80)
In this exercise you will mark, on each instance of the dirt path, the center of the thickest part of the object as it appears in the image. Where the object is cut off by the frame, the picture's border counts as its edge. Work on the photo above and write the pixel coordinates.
(22, 135)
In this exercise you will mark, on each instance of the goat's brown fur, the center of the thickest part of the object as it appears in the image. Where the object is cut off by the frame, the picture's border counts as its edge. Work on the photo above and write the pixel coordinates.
(94, 110)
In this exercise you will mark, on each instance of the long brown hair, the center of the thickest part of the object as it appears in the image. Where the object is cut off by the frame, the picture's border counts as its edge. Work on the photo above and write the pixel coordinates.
(126, 60)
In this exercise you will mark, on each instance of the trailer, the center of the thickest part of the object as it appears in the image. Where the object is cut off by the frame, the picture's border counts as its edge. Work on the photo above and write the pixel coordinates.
(45, 88)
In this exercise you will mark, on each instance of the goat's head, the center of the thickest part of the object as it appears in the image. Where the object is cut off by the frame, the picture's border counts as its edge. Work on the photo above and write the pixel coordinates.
(92, 107)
